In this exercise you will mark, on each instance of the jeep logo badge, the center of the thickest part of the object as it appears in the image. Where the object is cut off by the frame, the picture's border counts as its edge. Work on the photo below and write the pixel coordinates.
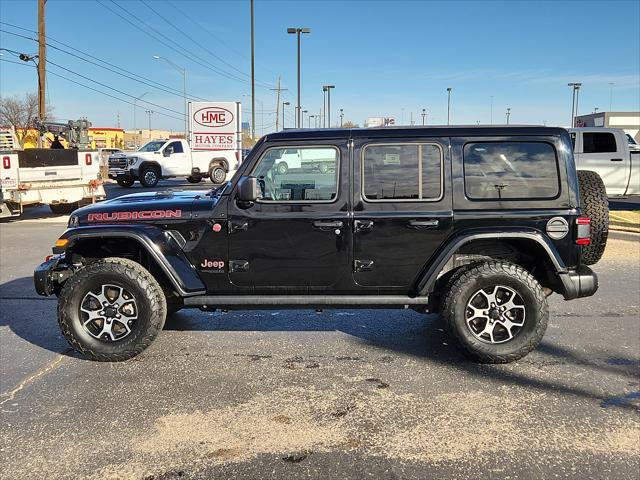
(213, 117)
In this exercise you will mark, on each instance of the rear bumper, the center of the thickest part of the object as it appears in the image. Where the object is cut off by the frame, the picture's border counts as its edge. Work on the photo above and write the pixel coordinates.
(579, 283)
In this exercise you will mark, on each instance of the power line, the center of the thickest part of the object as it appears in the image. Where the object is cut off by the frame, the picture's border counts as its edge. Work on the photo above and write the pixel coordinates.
(136, 77)
(180, 50)
(86, 86)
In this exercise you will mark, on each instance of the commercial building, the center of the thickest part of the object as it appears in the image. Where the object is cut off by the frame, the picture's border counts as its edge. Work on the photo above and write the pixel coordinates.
(627, 121)
(106, 137)
(136, 138)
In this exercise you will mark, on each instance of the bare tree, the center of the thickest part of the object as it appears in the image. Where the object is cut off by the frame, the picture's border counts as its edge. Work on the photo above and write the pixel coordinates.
(20, 113)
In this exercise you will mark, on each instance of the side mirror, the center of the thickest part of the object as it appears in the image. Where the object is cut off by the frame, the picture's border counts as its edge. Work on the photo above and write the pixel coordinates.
(168, 151)
(248, 189)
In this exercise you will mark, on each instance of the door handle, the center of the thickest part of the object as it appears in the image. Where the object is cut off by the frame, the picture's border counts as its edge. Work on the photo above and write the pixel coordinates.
(326, 224)
(616, 159)
(235, 226)
(362, 225)
(417, 224)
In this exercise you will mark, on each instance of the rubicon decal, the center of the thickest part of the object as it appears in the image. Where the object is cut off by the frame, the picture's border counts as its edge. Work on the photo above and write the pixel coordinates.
(141, 215)
(213, 117)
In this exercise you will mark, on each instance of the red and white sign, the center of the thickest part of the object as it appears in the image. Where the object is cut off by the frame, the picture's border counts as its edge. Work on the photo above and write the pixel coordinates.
(214, 125)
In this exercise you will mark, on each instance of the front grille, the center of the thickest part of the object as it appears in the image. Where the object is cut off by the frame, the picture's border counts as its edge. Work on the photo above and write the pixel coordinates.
(117, 162)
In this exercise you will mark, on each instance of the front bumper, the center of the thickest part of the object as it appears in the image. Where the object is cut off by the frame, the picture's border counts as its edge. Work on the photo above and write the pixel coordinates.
(117, 173)
(579, 283)
(49, 275)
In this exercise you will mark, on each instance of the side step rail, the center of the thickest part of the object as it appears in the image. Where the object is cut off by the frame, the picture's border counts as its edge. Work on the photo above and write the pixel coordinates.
(303, 300)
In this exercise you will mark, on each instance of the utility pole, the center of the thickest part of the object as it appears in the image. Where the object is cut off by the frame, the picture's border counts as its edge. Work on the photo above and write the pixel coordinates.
(611, 84)
(574, 103)
(278, 90)
(149, 112)
(284, 104)
(253, 85)
(42, 66)
(298, 31)
(448, 105)
(411, 121)
(341, 117)
(309, 118)
(424, 114)
(303, 112)
(327, 88)
(508, 115)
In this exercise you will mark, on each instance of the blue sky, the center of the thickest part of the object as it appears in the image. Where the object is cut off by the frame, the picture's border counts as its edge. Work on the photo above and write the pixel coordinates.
(386, 58)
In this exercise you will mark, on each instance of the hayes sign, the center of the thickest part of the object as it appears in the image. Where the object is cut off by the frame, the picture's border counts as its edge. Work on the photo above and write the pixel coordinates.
(214, 125)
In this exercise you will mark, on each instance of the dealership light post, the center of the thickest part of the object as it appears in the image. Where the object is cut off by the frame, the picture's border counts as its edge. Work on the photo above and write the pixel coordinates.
(309, 118)
(297, 31)
(448, 105)
(327, 88)
(303, 112)
(284, 104)
(574, 103)
(508, 114)
(183, 71)
(341, 117)
(424, 115)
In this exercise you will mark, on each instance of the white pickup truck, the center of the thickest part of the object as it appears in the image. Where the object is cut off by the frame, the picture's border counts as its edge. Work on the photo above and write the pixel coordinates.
(62, 179)
(606, 151)
(171, 158)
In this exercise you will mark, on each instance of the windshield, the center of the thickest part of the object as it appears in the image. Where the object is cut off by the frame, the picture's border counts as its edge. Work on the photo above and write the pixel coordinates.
(152, 146)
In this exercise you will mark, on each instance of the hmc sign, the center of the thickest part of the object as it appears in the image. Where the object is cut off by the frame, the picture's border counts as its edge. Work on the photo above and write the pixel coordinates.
(215, 125)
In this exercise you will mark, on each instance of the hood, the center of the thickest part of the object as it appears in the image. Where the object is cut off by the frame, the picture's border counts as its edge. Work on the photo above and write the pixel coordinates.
(148, 207)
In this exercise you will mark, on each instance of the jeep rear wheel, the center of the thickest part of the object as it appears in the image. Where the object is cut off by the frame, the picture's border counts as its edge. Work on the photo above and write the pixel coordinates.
(149, 177)
(111, 310)
(594, 204)
(496, 311)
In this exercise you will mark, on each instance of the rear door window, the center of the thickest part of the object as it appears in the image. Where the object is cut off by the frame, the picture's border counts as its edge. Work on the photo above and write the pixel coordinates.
(402, 172)
(510, 170)
(598, 142)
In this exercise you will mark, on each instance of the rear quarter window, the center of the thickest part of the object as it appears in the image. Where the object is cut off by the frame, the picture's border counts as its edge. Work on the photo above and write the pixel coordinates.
(510, 171)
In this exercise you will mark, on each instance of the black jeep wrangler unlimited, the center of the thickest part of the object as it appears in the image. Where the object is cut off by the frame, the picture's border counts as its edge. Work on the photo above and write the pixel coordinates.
(480, 224)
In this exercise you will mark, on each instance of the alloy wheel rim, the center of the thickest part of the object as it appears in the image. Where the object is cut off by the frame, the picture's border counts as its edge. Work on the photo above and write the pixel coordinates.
(108, 313)
(150, 176)
(218, 175)
(495, 314)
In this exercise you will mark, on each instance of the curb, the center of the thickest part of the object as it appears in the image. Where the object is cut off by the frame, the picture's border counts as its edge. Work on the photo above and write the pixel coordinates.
(624, 235)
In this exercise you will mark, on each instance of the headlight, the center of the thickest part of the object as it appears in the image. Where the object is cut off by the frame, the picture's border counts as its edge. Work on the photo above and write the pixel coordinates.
(132, 160)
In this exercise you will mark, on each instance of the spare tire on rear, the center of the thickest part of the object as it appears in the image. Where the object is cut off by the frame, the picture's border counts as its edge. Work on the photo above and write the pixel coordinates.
(594, 204)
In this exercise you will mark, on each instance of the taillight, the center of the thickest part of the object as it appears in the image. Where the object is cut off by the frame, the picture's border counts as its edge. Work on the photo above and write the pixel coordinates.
(6, 162)
(87, 159)
(583, 236)
(237, 156)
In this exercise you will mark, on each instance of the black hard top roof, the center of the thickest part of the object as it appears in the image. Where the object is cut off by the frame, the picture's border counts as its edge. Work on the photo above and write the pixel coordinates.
(416, 131)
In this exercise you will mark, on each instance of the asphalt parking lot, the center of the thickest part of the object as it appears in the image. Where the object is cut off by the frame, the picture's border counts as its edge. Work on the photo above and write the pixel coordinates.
(296, 394)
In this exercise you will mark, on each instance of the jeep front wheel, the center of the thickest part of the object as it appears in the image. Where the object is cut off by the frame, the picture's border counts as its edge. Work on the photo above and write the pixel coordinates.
(111, 310)
(149, 177)
(496, 311)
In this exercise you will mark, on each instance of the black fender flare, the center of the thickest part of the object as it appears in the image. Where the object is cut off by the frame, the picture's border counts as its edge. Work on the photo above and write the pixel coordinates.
(427, 279)
(159, 244)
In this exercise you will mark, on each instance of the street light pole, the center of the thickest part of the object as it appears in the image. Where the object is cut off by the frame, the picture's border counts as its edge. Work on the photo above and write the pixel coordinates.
(508, 115)
(574, 101)
(491, 111)
(324, 106)
(448, 105)
(298, 31)
(284, 104)
(183, 71)
(611, 84)
(309, 119)
(424, 114)
(341, 117)
(303, 112)
(327, 88)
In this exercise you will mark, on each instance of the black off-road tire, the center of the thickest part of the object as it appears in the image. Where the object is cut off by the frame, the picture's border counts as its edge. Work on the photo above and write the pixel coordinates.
(194, 179)
(149, 181)
(63, 208)
(594, 204)
(151, 304)
(126, 183)
(483, 275)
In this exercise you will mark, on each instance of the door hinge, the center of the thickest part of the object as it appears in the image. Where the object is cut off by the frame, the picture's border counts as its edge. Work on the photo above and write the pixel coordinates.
(238, 266)
(362, 265)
